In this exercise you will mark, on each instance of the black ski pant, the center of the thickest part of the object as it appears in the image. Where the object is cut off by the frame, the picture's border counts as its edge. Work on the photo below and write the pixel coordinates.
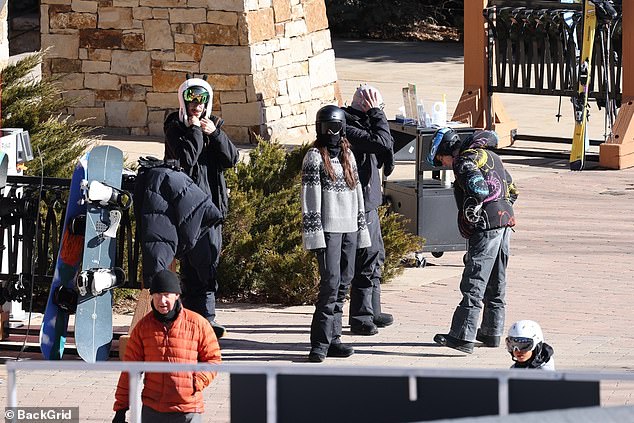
(198, 272)
(365, 290)
(336, 268)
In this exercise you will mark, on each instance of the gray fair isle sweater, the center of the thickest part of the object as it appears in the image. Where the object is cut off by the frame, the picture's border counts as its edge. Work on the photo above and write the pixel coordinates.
(329, 206)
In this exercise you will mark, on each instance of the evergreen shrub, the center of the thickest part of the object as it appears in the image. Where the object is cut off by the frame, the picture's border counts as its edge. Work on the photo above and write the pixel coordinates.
(262, 258)
(38, 106)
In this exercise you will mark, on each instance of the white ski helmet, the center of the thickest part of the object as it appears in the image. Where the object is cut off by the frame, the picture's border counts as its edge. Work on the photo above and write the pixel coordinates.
(197, 86)
(358, 97)
(524, 335)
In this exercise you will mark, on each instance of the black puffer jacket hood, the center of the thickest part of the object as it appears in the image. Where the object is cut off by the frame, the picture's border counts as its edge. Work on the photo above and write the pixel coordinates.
(172, 214)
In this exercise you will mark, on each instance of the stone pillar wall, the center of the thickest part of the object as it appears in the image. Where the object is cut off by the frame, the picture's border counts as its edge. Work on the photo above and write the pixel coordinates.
(270, 62)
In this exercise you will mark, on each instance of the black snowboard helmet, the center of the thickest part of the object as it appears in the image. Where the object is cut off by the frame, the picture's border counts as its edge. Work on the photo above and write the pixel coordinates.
(444, 142)
(330, 120)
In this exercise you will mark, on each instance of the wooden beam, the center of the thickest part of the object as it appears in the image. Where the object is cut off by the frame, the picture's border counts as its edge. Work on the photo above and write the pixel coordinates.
(473, 106)
(618, 151)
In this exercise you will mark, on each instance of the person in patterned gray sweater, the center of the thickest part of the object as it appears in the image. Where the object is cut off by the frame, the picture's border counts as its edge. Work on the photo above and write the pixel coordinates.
(334, 226)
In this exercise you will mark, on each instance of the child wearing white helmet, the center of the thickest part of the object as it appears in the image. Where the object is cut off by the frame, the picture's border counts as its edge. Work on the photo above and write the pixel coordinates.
(525, 343)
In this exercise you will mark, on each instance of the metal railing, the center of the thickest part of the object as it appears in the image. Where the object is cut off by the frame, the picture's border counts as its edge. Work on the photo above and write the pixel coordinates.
(135, 370)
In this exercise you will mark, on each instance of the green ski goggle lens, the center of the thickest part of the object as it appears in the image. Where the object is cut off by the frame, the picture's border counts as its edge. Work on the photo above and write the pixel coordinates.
(191, 95)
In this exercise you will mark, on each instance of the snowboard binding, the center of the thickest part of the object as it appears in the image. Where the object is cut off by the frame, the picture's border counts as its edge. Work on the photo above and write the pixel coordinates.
(97, 281)
(77, 225)
(105, 195)
(65, 299)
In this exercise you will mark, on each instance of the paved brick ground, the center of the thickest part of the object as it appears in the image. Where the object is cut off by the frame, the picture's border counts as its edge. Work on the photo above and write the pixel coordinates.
(571, 269)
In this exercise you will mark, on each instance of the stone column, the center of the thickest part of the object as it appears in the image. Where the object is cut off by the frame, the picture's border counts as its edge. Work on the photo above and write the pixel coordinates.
(270, 62)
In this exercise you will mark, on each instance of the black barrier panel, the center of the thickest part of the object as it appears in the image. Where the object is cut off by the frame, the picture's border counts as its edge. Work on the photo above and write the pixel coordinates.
(366, 399)
(248, 398)
(541, 395)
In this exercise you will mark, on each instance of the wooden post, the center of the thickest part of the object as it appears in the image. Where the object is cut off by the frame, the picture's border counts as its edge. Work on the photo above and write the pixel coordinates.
(618, 151)
(473, 106)
(142, 308)
(4, 324)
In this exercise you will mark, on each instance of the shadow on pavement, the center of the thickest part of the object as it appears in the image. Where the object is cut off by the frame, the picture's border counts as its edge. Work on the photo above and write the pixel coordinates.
(373, 51)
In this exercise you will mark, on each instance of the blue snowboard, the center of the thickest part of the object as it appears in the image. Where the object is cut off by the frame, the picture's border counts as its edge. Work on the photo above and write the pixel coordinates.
(93, 320)
(55, 320)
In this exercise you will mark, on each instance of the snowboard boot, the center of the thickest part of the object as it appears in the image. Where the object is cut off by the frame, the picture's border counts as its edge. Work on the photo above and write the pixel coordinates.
(315, 357)
(457, 344)
(488, 340)
(365, 329)
(383, 319)
(339, 349)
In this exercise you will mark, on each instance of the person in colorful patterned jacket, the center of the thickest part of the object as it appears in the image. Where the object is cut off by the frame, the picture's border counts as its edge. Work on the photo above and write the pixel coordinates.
(169, 333)
(484, 193)
(334, 227)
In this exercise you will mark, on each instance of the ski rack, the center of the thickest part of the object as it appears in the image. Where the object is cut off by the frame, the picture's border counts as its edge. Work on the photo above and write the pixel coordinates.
(533, 51)
(22, 217)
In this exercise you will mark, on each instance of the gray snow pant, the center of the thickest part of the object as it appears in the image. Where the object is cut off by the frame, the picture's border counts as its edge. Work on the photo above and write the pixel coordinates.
(483, 281)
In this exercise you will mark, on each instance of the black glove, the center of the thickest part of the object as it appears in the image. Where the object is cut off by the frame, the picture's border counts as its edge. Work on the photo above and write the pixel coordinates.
(119, 416)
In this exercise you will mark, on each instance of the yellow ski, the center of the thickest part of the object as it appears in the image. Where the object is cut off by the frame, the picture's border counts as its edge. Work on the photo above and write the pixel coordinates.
(580, 140)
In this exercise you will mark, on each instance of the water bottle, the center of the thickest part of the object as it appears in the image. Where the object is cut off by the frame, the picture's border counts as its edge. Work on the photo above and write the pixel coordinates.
(439, 113)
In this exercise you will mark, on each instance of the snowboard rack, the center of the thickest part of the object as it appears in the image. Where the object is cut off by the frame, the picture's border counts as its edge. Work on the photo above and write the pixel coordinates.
(22, 210)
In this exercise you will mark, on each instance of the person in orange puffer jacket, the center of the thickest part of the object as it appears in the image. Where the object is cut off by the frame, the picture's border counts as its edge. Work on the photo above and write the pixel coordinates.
(172, 334)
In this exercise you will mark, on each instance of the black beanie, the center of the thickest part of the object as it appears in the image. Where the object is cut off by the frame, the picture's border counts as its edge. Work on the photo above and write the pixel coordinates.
(165, 281)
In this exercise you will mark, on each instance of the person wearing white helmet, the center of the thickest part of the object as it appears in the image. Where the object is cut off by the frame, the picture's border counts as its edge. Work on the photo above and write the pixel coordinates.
(525, 343)
(194, 137)
(372, 144)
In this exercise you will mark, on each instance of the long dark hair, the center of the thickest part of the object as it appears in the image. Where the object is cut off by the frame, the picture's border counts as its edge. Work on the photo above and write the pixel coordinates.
(348, 174)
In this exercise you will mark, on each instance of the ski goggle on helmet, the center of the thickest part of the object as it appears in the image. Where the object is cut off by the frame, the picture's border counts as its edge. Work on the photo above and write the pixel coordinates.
(197, 94)
(330, 128)
(522, 345)
(443, 142)
(524, 336)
